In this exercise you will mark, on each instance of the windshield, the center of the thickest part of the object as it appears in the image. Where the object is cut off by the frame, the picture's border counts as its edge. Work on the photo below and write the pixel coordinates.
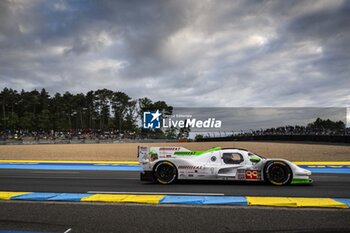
(254, 154)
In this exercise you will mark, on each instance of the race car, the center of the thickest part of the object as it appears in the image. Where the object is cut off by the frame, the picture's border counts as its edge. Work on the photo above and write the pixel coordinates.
(165, 165)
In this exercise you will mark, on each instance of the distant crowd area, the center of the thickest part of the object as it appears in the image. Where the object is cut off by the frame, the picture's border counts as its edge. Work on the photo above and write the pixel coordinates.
(297, 133)
(319, 130)
(65, 136)
(296, 130)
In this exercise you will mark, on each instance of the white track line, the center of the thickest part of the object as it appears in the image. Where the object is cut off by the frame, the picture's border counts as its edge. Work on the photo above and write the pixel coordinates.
(157, 193)
(68, 230)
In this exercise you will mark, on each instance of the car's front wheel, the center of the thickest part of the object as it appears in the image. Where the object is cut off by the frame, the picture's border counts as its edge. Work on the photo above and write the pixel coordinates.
(278, 173)
(165, 172)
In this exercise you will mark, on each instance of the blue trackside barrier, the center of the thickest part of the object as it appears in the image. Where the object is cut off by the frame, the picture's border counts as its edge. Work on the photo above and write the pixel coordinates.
(42, 196)
(329, 170)
(342, 203)
(343, 200)
(194, 200)
(69, 197)
(225, 201)
(204, 200)
(35, 196)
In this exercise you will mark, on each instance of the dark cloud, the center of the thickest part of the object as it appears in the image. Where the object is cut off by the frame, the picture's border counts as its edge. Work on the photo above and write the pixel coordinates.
(188, 53)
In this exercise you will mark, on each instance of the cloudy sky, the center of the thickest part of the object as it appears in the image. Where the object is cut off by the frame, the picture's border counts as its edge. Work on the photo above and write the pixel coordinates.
(188, 53)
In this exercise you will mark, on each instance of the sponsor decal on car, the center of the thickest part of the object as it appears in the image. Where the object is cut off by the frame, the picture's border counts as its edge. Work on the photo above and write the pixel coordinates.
(252, 175)
(169, 148)
(190, 167)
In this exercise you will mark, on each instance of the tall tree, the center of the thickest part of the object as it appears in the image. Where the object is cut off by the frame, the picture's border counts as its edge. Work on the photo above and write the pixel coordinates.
(124, 111)
(4, 98)
(91, 109)
(103, 97)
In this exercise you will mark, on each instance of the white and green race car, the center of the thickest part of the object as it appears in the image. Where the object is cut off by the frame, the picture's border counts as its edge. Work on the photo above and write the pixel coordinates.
(165, 165)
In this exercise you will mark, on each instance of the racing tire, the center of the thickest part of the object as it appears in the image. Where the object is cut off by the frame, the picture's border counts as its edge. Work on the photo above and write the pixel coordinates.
(165, 172)
(278, 173)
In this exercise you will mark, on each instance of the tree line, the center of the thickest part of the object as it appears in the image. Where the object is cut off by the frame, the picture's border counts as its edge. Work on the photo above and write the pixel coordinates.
(102, 109)
(317, 127)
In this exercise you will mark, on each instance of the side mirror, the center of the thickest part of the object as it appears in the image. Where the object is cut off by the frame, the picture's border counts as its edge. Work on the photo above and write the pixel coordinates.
(255, 159)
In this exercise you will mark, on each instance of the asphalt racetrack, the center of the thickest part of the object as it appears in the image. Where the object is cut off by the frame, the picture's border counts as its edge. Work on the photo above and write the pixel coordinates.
(325, 185)
(108, 217)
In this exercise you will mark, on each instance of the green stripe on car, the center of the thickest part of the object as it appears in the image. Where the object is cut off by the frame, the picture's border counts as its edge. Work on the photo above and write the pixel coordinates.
(196, 152)
(301, 181)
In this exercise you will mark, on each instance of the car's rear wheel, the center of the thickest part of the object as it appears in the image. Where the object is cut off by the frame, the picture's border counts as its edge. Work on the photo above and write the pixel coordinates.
(165, 172)
(278, 173)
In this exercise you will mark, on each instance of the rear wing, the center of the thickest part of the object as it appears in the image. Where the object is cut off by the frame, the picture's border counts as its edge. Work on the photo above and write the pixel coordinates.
(148, 154)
